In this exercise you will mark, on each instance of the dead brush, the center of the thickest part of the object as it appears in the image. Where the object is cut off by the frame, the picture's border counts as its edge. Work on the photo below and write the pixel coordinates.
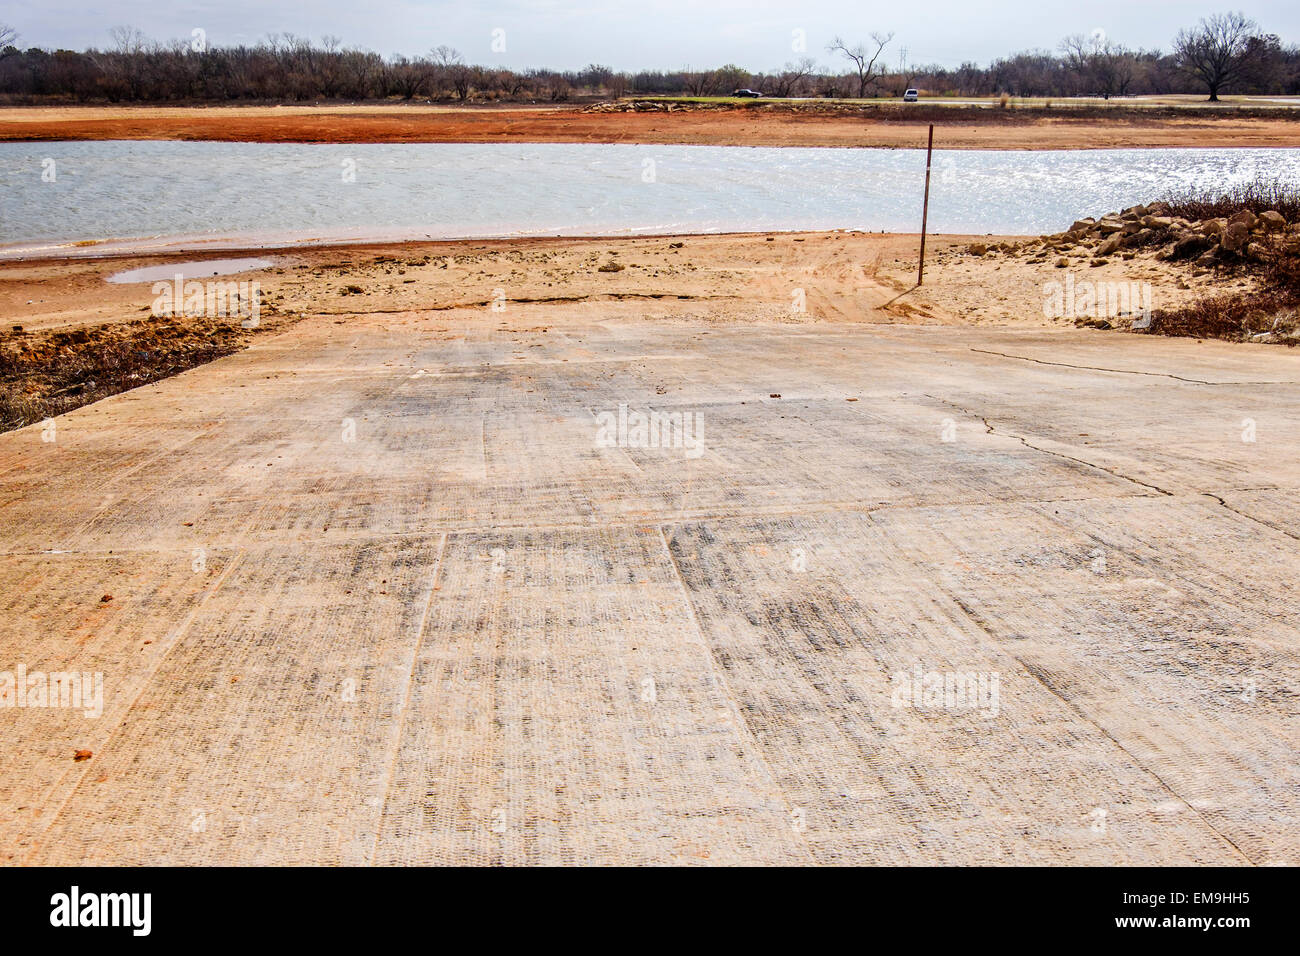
(1229, 317)
(1256, 196)
(46, 374)
(1272, 309)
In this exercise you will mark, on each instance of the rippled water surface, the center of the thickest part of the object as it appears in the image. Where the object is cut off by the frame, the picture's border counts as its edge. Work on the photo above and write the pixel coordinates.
(299, 192)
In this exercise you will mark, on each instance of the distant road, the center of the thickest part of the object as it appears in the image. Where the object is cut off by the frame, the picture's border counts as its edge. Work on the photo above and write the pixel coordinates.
(1153, 121)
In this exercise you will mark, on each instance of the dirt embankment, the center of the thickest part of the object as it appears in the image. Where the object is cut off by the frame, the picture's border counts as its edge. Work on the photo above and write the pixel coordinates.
(883, 126)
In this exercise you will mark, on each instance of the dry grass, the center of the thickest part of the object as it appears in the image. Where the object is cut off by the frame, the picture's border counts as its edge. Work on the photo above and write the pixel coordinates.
(1238, 317)
(1256, 196)
(1232, 317)
(43, 374)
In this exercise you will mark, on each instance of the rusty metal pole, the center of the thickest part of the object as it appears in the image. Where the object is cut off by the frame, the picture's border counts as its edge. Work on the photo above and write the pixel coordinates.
(925, 210)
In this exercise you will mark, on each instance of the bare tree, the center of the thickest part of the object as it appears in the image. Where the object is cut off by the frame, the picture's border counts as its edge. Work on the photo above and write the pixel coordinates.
(126, 64)
(1076, 58)
(732, 77)
(8, 36)
(786, 83)
(1115, 68)
(864, 61)
(1218, 50)
(132, 67)
(129, 40)
(700, 82)
(452, 69)
(1096, 65)
(404, 77)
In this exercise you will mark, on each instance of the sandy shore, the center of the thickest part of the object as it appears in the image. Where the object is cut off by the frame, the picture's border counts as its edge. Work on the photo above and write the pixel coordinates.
(71, 337)
(844, 277)
(956, 127)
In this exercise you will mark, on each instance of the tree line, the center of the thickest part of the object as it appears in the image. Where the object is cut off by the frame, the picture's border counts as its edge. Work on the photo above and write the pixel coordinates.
(1223, 53)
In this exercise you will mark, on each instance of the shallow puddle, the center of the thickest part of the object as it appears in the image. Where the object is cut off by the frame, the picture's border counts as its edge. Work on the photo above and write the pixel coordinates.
(190, 270)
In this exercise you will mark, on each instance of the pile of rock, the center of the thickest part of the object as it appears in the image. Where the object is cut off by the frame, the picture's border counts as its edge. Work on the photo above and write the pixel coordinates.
(635, 106)
(1242, 237)
(1210, 241)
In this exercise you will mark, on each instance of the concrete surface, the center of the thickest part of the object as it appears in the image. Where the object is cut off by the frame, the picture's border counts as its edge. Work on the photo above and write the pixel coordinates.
(470, 635)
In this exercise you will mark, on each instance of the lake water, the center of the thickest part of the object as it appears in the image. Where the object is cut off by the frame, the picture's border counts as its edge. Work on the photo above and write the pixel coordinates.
(201, 194)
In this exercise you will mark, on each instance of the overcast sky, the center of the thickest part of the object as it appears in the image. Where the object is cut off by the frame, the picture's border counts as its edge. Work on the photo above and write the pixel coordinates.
(653, 34)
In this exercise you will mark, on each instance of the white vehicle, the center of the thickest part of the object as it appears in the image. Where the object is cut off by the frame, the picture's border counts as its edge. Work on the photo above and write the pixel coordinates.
(911, 96)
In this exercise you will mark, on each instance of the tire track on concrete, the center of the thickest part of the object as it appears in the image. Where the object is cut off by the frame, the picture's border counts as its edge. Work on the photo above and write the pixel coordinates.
(777, 511)
(400, 729)
(720, 681)
(110, 497)
(177, 635)
(1038, 674)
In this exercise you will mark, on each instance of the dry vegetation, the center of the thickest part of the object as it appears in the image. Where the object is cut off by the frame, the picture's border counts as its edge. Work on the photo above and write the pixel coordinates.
(1242, 245)
(1270, 213)
(1260, 195)
(44, 373)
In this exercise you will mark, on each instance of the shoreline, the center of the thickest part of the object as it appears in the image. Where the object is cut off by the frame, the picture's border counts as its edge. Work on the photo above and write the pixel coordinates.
(882, 126)
(108, 250)
(75, 332)
(847, 277)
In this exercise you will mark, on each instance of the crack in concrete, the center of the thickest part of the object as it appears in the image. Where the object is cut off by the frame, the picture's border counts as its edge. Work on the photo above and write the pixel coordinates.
(1250, 517)
(1121, 371)
(1082, 461)
(1113, 472)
